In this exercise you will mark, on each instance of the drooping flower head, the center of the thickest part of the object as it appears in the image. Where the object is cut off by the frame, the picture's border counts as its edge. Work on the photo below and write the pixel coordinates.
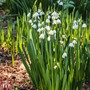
(84, 25)
(64, 55)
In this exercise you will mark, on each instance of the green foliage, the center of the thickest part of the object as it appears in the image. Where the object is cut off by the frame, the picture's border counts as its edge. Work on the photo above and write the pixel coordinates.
(88, 63)
(83, 6)
(54, 46)
(55, 63)
(20, 6)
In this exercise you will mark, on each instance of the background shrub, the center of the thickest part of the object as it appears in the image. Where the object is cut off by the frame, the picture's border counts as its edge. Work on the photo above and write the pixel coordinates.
(83, 6)
(20, 6)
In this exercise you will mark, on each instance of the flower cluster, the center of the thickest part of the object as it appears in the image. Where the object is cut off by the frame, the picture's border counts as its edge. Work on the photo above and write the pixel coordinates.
(41, 28)
(75, 24)
(38, 14)
(72, 43)
(36, 17)
(55, 18)
(46, 27)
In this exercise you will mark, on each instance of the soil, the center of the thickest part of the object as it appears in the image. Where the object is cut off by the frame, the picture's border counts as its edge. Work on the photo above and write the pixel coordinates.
(15, 76)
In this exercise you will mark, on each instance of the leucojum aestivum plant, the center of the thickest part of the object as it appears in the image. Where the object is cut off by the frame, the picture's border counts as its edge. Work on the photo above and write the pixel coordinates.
(55, 51)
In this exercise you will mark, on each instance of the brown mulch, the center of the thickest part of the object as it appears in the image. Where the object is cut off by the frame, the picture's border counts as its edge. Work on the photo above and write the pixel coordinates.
(15, 75)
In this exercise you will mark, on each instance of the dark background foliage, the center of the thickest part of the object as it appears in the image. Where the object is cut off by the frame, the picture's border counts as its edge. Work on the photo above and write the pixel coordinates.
(20, 6)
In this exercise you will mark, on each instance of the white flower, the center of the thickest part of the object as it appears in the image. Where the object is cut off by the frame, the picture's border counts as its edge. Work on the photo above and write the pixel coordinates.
(54, 49)
(79, 20)
(47, 27)
(42, 23)
(74, 42)
(55, 15)
(84, 25)
(38, 18)
(52, 32)
(63, 36)
(60, 2)
(47, 21)
(42, 36)
(58, 21)
(48, 38)
(61, 42)
(49, 16)
(34, 26)
(54, 21)
(54, 60)
(41, 13)
(74, 21)
(71, 45)
(39, 24)
(64, 55)
(35, 20)
(30, 21)
(39, 10)
(35, 15)
(39, 30)
(28, 15)
(42, 29)
(55, 67)
(75, 26)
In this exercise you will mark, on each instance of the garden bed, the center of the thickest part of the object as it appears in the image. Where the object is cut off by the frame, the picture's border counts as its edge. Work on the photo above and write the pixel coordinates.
(16, 75)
